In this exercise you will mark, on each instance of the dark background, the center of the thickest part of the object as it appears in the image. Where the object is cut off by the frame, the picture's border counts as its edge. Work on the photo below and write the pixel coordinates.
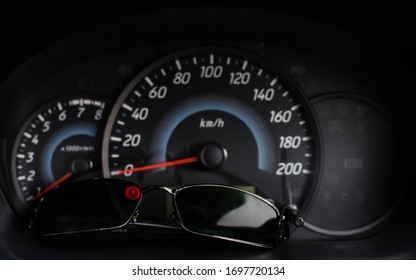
(28, 27)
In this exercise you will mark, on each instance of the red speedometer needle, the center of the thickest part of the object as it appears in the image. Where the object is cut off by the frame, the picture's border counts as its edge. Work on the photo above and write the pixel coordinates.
(53, 185)
(158, 165)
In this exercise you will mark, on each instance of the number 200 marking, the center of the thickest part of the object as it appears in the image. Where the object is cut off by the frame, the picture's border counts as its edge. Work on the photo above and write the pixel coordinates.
(289, 168)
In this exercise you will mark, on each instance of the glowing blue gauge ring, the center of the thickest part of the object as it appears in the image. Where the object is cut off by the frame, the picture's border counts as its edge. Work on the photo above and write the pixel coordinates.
(86, 129)
(272, 145)
(238, 109)
(40, 152)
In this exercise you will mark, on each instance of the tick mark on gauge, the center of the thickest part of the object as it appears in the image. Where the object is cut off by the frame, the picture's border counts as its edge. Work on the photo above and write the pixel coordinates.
(21, 178)
(42, 119)
(178, 65)
(308, 138)
(305, 171)
(286, 93)
(211, 59)
(163, 72)
(294, 108)
(260, 72)
(27, 135)
(121, 123)
(115, 139)
(127, 107)
(138, 94)
(273, 82)
(194, 60)
(244, 65)
(302, 122)
(149, 81)
(59, 106)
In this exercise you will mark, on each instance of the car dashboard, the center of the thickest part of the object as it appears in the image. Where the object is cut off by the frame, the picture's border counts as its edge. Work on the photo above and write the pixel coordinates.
(300, 105)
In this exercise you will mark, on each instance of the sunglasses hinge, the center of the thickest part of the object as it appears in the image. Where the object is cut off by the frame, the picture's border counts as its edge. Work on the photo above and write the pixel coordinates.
(135, 216)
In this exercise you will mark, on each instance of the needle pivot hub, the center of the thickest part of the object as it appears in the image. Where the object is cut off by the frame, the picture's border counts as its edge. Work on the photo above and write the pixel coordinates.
(213, 156)
(81, 166)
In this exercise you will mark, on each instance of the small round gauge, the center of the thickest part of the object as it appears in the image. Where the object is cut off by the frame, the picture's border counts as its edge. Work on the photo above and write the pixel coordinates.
(214, 116)
(362, 178)
(59, 143)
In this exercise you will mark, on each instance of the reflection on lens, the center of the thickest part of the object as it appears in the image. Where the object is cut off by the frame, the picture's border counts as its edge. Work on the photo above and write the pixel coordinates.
(86, 206)
(229, 213)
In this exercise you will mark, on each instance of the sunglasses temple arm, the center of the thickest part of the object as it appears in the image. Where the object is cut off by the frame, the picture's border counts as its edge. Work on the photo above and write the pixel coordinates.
(289, 215)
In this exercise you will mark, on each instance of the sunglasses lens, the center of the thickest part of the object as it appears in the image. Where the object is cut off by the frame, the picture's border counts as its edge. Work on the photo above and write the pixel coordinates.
(86, 205)
(228, 213)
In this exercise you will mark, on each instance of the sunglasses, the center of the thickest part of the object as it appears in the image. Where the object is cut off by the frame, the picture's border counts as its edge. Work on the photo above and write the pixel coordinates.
(218, 211)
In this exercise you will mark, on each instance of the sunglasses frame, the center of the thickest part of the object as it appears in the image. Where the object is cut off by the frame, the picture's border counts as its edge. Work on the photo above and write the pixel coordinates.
(179, 218)
(133, 221)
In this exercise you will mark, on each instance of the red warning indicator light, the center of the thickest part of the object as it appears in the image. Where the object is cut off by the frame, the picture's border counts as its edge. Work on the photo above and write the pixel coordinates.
(132, 193)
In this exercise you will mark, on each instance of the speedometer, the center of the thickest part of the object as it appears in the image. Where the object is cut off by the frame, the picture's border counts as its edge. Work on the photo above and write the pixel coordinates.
(214, 115)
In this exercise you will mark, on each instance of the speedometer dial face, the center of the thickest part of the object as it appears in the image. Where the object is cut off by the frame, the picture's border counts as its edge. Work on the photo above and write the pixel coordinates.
(59, 143)
(214, 116)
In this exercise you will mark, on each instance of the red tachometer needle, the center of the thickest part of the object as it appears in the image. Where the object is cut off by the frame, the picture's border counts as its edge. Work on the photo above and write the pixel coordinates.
(119, 172)
(158, 165)
(53, 185)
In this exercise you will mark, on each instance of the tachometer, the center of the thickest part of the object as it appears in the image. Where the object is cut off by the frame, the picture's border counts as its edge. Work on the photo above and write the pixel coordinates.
(58, 143)
(214, 116)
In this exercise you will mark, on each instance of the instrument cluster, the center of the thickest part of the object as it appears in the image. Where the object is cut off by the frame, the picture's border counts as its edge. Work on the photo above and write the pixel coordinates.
(308, 125)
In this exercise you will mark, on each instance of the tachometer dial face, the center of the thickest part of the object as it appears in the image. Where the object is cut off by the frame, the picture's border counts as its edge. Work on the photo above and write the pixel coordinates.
(214, 116)
(59, 143)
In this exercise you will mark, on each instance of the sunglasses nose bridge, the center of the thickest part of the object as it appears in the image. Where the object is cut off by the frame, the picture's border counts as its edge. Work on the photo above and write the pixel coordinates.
(163, 188)
(168, 190)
